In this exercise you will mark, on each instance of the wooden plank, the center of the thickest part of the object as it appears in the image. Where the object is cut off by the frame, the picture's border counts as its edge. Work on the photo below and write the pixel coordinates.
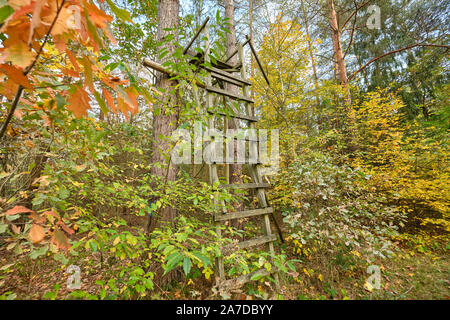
(239, 136)
(252, 242)
(245, 186)
(228, 75)
(238, 282)
(218, 76)
(229, 94)
(242, 214)
(255, 171)
(196, 35)
(237, 115)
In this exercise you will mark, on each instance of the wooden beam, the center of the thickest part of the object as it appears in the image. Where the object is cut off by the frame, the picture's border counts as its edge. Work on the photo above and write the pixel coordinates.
(228, 75)
(236, 51)
(245, 186)
(196, 35)
(242, 214)
(257, 60)
(236, 115)
(234, 96)
(253, 242)
(238, 282)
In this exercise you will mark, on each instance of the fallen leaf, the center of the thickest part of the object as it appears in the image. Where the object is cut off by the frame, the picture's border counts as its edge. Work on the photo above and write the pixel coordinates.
(37, 233)
(16, 210)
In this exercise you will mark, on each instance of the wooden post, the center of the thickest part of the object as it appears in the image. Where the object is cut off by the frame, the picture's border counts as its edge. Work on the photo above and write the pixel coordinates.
(213, 166)
(254, 170)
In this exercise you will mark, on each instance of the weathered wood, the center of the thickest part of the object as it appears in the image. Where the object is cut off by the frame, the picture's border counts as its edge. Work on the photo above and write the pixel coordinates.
(226, 79)
(213, 176)
(238, 282)
(245, 186)
(236, 51)
(254, 170)
(229, 94)
(226, 74)
(237, 115)
(237, 136)
(196, 35)
(252, 242)
(242, 214)
(257, 60)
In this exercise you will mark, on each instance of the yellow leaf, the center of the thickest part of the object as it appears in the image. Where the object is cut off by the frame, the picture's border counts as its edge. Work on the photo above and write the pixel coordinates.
(368, 286)
(19, 54)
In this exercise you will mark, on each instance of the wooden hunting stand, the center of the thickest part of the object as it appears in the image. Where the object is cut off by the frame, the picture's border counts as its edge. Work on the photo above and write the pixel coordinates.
(218, 74)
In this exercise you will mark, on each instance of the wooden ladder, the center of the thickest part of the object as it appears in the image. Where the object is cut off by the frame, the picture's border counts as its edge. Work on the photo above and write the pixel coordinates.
(254, 167)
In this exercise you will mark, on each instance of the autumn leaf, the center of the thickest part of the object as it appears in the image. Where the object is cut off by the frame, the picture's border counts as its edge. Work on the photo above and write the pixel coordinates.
(37, 233)
(65, 228)
(19, 54)
(16, 75)
(109, 100)
(79, 103)
(98, 17)
(36, 19)
(60, 239)
(16, 210)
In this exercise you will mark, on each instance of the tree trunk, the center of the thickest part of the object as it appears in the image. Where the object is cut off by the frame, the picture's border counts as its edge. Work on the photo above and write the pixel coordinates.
(338, 54)
(165, 122)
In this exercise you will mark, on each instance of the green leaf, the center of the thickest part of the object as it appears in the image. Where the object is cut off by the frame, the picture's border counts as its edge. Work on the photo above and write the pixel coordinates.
(187, 264)
(93, 245)
(256, 276)
(172, 261)
(101, 102)
(13, 217)
(5, 12)
(3, 227)
(120, 13)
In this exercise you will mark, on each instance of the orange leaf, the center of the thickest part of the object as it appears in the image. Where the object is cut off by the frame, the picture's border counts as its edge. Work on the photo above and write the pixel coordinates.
(79, 103)
(16, 210)
(37, 233)
(109, 100)
(98, 17)
(65, 228)
(36, 19)
(73, 60)
(16, 75)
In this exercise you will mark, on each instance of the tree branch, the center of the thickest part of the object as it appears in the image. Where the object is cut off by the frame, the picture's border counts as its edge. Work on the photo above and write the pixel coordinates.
(397, 51)
(25, 72)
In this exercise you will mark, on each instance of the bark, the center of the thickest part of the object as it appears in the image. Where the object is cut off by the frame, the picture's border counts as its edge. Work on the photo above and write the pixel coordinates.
(165, 122)
(337, 49)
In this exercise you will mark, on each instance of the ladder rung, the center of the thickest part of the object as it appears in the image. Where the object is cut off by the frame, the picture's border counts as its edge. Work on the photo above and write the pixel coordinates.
(254, 242)
(237, 115)
(243, 279)
(237, 137)
(242, 214)
(227, 74)
(248, 161)
(245, 186)
(235, 96)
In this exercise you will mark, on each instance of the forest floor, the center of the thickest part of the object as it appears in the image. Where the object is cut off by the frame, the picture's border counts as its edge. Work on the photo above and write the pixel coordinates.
(411, 274)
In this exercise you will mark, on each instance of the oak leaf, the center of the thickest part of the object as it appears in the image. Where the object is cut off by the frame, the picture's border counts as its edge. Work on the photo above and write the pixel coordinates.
(37, 233)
